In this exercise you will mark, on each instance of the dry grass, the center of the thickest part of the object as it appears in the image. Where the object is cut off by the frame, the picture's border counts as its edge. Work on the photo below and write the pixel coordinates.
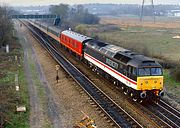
(155, 43)
(156, 39)
(161, 22)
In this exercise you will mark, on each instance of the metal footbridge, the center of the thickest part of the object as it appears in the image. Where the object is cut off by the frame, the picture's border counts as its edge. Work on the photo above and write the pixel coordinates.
(35, 16)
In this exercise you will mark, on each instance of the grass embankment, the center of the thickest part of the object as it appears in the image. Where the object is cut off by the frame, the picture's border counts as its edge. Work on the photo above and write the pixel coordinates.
(172, 87)
(9, 97)
(146, 41)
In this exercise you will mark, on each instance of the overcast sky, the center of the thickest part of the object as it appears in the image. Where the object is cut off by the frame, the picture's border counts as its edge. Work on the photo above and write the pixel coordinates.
(50, 2)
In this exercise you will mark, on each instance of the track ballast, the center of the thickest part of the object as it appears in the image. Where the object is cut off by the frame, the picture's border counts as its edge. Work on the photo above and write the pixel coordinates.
(119, 116)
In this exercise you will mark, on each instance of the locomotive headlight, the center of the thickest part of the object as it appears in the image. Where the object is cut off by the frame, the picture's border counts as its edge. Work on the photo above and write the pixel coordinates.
(160, 83)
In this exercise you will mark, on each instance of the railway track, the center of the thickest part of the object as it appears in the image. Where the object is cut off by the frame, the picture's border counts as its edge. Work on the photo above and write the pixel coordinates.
(166, 113)
(119, 117)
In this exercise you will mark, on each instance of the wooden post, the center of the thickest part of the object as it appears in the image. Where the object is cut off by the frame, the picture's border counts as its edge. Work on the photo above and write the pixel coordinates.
(57, 69)
(7, 48)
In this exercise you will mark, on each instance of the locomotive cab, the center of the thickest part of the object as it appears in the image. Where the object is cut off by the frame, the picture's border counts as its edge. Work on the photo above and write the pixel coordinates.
(150, 79)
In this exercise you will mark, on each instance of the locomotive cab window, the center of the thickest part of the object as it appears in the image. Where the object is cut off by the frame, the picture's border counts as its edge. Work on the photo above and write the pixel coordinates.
(150, 71)
(156, 71)
(144, 72)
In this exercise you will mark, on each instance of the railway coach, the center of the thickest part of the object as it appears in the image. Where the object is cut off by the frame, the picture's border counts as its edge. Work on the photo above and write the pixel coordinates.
(74, 41)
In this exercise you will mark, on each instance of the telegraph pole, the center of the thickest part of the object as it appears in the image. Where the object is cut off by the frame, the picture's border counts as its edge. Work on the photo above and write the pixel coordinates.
(152, 2)
(142, 10)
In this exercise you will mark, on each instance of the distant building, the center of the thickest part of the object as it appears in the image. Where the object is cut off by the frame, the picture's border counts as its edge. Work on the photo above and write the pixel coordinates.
(175, 13)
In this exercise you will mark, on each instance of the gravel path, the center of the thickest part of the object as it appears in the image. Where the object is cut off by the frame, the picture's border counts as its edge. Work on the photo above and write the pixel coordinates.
(52, 107)
(40, 113)
(36, 115)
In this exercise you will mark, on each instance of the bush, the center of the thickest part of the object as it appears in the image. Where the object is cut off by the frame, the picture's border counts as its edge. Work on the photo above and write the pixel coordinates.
(81, 29)
(175, 72)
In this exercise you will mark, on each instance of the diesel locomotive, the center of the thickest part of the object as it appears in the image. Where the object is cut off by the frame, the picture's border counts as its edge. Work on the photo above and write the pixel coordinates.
(139, 76)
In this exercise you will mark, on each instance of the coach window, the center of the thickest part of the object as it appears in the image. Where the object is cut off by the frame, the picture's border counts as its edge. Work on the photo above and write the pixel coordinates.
(68, 40)
(72, 43)
(75, 45)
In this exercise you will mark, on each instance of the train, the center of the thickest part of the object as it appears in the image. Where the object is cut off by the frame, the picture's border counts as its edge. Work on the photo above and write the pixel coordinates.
(139, 76)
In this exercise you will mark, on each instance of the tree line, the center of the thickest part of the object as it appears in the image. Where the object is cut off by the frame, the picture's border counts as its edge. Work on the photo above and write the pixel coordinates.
(6, 26)
(73, 14)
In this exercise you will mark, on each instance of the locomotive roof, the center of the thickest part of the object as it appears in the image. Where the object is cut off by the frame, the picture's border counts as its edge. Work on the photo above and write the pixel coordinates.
(105, 48)
(114, 49)
(123, 55)
(142, 61)
(75, 35)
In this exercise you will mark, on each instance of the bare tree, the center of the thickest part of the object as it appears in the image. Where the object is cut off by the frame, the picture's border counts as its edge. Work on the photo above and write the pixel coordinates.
(6, 26)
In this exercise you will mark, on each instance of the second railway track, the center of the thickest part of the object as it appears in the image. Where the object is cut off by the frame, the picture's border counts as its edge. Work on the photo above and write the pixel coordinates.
(166, 113)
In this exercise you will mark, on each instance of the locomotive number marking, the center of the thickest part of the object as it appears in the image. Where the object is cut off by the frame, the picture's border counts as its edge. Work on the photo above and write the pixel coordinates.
(112, 63)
